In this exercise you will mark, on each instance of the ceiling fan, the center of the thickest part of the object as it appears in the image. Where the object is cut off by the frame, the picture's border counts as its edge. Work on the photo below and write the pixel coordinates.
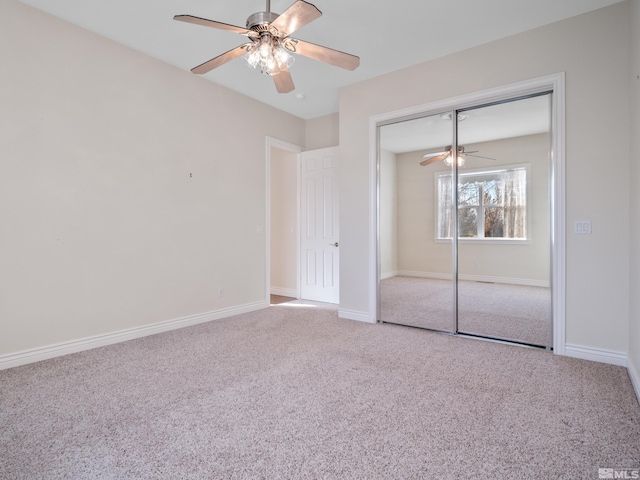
(430, 158)
(270, 45)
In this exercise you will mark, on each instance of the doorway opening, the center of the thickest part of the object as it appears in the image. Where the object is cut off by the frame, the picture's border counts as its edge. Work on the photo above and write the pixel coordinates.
(283, 213)
(302, 214)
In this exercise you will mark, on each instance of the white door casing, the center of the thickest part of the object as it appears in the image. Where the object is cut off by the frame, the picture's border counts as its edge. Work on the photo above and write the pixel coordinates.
(319, 242)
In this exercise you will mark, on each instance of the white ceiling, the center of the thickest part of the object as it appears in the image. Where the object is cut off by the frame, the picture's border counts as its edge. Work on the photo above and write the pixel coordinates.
(385, 35)
(494, 122)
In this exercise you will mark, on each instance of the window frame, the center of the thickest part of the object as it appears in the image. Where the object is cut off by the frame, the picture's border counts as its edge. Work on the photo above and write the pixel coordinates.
(482, 239)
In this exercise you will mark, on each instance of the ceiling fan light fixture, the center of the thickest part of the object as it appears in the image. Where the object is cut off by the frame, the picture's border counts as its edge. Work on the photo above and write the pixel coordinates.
(449, 161)
(284, 59)
(270, 46)
(269, 55)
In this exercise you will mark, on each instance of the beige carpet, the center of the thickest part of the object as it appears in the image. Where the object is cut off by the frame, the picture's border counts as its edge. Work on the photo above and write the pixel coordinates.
(294, 392)
(511, 312)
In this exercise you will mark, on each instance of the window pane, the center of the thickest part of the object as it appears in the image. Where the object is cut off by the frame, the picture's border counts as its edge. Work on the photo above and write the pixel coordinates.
(515, 203)
(492, 192)
(467, 222)
(515, 222)
(491, 204)
(445, 216)
(494, 222)
(468, 194)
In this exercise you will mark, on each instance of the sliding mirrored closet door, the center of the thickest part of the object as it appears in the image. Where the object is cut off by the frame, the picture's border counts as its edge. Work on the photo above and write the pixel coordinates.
(415, 267)
(493, 281)
(504, 221)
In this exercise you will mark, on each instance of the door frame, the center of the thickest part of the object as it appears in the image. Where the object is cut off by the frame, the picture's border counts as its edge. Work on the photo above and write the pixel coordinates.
(555, 83)
(270, 143)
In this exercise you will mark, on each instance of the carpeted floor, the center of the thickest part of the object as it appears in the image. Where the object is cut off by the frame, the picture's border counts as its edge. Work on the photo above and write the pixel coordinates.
(294, 392)
(511, 312)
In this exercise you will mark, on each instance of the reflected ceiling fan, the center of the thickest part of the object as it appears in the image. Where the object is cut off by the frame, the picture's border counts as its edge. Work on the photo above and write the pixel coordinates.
(430, 158)
(270, 45)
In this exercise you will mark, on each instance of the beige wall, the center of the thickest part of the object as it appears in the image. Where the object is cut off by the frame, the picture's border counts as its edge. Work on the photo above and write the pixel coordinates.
(634, 322)
(418, 250)
(322, 132)
(284, 222)
(593, 49)
(388, 215)
(130, 191)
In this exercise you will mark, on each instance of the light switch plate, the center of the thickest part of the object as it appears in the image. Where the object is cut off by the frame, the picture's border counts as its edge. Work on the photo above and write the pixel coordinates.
(583, 226)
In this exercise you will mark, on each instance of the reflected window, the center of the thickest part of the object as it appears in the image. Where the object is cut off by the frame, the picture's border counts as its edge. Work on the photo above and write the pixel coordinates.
(492, 204)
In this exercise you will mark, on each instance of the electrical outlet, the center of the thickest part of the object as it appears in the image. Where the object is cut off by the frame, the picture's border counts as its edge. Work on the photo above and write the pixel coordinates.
(221, 292)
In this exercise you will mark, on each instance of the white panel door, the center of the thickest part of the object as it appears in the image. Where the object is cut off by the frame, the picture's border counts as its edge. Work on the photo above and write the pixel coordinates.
(319, 220)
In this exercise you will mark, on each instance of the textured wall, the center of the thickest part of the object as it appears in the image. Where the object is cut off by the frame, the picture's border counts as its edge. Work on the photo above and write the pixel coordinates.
(130, 191)
(388, 214)
(418, 249)
(284, 219)
(593, 49)
(634, 318)
(322, 132)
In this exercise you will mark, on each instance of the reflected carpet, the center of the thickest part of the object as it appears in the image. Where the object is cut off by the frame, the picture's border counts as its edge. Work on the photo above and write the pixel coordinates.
(510, 312)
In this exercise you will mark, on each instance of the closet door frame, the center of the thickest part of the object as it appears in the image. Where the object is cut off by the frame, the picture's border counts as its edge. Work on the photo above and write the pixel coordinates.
(554, 83)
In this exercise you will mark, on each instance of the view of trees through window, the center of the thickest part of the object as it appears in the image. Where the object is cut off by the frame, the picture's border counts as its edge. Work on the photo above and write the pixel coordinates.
(491, 204)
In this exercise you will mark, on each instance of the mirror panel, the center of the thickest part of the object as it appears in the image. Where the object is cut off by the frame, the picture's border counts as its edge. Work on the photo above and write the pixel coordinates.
(504, 219)
(498, 284)
(416, 286)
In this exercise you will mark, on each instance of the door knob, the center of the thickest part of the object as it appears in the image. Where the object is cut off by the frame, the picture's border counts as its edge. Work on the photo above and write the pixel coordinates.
(334, 244)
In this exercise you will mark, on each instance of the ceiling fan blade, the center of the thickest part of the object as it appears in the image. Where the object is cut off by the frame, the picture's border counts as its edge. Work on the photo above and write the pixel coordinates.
(296, 16)
(435, 159)
(221, 59)
(323, 54)
(211, 23)
(478, 156)
(435, 154)
(283, 81)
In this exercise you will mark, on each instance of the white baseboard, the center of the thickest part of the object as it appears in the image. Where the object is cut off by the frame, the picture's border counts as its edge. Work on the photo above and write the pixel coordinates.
(284, 292)
(596, 354)
(527, 282)
(57, 350)
(634, 375)
(356, 315)
(412, 273)
(476, 278)
(388, 274)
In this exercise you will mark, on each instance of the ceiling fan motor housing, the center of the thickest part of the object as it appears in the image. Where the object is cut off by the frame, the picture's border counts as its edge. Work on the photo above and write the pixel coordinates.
(260, 21)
